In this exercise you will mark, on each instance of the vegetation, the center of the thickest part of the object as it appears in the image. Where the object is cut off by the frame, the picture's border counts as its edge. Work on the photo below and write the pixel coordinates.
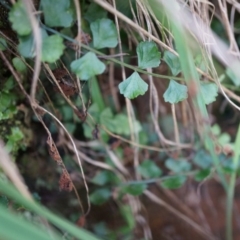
(112, 110)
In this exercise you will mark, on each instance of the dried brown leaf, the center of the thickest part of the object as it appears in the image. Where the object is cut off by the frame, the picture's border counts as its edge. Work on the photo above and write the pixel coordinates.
(65, 182)
(81, 221)
(65, 82)
(53, 151)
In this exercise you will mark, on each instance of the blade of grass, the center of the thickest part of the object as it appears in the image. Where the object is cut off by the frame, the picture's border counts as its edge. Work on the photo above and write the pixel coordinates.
(23, 229)
(230, 193)
(8, 190)
(96, 93)
(189, 70)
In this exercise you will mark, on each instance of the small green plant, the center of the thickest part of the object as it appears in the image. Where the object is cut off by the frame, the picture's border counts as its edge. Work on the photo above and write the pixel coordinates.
(55, 73)
(11, 128)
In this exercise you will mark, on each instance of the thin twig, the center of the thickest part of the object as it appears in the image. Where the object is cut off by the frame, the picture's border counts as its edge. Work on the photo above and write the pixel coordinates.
(75, 150)
(9, 167)
(108, 7)
(38, 46)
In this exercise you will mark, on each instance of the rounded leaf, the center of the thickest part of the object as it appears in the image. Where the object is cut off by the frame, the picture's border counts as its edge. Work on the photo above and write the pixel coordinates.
(100, 196)
(105, 177)
(19, 65)
(173, 62)
(52, 48)
(174, 182)
(119, 123)
(177, 166)
(133, 86)
(94, 12)
(19, 19)
(175, 92)
(104, 33)
(26, 46)
(58, 14)
(202, 159)
(202, 174)
(148, 55)
(134, 189)
(149, 169)
(209, 92)
(87, 66)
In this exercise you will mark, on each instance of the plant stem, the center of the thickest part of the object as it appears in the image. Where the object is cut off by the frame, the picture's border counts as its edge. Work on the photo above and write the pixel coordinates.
(229, 208)
(182, 40)
(112, 59)
(230, 190)
(97, 96)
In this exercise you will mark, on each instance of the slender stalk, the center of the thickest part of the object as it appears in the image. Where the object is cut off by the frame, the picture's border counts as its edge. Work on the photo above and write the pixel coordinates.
(231, 188)
(176, 130)
(112, 58)
(189, 71)
(96, 95)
